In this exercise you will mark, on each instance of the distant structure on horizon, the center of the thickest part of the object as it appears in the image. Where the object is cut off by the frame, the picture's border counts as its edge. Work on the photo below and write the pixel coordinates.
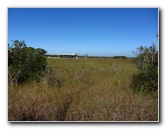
(69, 55)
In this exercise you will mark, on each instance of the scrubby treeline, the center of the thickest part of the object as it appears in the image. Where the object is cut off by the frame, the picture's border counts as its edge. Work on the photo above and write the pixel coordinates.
(119, 57)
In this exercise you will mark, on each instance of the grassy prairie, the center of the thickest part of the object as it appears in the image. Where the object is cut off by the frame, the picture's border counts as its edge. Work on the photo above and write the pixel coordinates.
(90, 90)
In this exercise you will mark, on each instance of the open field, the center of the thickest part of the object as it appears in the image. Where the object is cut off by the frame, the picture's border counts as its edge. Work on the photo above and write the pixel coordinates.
(87, 90)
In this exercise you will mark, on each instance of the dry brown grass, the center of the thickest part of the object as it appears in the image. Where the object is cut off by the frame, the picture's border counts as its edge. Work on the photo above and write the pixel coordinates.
(91, 90)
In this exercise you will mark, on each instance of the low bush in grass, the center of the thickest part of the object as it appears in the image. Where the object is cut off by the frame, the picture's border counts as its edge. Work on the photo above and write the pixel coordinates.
(52, 77)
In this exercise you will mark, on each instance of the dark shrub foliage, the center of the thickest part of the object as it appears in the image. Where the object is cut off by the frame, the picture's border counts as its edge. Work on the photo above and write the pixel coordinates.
(146, 80)
(25, 63)
(119, 57)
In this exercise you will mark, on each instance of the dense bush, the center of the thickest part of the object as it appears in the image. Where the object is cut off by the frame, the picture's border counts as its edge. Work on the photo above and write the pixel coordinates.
(25, 63)
(146, 80)
(119, 57)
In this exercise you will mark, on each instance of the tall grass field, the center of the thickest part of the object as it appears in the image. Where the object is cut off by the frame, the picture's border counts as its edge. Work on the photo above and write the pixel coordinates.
(84, 89)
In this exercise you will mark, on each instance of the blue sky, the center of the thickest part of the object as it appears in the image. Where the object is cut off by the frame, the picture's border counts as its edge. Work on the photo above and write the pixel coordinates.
(92, 31)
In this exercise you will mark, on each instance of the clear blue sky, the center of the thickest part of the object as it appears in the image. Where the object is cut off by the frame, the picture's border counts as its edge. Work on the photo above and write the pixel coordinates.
(92, 31)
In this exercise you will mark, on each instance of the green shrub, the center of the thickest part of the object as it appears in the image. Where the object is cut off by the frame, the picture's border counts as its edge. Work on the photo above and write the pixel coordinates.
(146, 80)
(119, 57)
(25, 63)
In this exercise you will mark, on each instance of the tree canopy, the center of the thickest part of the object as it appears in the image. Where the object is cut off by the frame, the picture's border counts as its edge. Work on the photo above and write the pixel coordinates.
(25, 63)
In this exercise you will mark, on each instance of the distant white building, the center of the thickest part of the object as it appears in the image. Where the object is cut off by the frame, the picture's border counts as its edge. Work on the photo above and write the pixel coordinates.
(69, 55)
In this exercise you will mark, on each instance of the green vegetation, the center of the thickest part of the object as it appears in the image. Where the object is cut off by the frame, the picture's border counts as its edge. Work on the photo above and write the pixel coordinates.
(146, 80)
(119, 57)
(84, 89)
(95, 89)
(25, 63)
